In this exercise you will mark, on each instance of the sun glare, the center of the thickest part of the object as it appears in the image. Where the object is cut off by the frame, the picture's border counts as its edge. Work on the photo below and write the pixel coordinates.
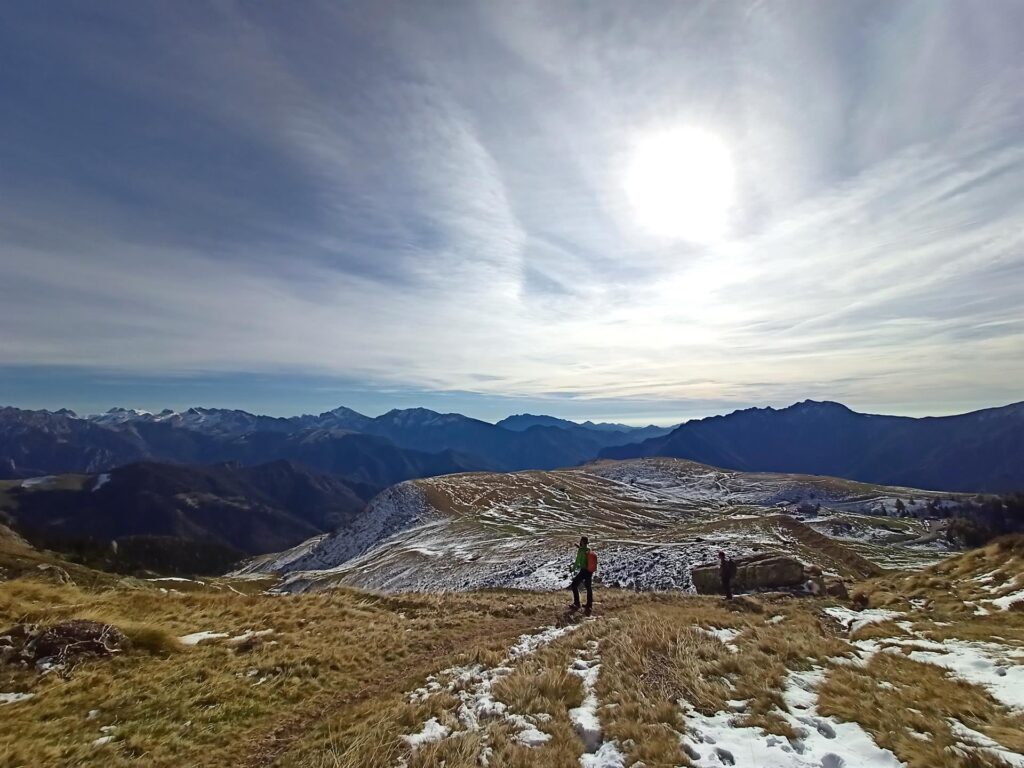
(680, 184)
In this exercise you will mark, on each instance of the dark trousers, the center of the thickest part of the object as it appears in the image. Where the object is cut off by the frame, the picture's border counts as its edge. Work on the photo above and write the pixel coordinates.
(586, 578)
(727, 586)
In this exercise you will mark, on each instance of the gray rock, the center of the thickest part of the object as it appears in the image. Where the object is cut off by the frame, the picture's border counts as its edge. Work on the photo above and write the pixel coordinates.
(765, 570)
(54, 574)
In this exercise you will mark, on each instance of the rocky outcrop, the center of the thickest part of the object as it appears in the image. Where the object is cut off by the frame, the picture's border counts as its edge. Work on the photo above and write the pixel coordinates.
(60, 646)
(54, 574)
(818, 584)
(764, 570)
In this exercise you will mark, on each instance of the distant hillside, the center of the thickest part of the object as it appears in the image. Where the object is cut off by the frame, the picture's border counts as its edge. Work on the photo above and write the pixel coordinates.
(980, 451)
(178, 518)
(613, 434)
(651, 520)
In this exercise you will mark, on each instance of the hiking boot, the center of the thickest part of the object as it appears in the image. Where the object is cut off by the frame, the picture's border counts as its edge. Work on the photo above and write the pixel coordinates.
(573, 608)
(587, 611)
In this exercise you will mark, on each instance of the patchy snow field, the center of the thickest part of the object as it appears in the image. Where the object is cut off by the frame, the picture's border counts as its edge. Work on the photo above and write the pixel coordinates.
(710, 739)
(473, 688)
(650, 520)
(821, 742)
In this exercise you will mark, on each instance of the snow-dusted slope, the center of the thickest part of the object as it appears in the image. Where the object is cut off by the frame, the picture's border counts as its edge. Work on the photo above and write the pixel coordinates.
(650, 521)
(395, 509)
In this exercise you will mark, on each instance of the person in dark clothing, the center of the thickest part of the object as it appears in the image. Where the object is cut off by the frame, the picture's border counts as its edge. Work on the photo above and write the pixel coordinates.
(727, 568)
(581, 567)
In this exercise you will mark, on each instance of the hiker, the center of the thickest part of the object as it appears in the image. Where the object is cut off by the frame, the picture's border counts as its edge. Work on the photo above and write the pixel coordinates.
(727, 568)
(583, 568)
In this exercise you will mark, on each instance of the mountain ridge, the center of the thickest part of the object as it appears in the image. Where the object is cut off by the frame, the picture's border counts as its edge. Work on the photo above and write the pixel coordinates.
(979, 451)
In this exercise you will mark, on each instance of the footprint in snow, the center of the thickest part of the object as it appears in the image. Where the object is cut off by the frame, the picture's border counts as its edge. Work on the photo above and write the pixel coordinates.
(820, 726)
(725, 756)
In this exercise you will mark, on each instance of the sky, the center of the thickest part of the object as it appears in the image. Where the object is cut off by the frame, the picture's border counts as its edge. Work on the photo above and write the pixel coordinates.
(641, 212)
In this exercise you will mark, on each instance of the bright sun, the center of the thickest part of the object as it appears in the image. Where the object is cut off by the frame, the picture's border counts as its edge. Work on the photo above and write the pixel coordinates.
(680, 183)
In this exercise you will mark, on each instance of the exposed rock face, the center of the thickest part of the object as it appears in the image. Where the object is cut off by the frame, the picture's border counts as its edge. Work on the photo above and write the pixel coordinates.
(764, 570)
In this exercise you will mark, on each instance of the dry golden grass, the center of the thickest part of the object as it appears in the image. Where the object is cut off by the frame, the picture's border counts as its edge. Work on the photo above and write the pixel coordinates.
(329, 687)
(950, 594)
(213, 704)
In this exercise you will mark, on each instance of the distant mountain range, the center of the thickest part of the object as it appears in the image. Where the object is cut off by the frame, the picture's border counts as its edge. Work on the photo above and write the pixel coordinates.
(979, 451)
(619, 433)
(375, 452)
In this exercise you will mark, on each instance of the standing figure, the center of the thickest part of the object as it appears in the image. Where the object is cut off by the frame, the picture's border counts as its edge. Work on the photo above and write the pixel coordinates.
(583, 568)
(727, 568)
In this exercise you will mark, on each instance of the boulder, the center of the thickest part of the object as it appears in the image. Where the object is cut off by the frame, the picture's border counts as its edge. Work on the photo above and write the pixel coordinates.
(764, 570)
(815, 581)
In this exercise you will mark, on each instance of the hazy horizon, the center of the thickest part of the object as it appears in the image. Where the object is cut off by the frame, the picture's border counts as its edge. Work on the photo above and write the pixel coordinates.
(625, 212)
(491, 413)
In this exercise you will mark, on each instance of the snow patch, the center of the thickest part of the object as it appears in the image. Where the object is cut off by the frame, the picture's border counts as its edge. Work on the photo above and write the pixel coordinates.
(528, 644)
(986, 664)
(717, 740)
(584, 718)
(608, 756)
(14, 698)
(432, 731)
(1003, 603)
(724, 634)
(529, 734)
(971, 739)
(995, 667)
(855, 620)
(250, 633)
(197, 637)
(473, 686)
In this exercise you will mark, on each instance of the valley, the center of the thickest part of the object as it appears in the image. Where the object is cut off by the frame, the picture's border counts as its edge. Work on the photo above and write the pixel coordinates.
(176, 519)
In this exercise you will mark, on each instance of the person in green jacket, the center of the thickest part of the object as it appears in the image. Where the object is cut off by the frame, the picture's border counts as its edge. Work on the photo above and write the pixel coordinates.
(582, 576)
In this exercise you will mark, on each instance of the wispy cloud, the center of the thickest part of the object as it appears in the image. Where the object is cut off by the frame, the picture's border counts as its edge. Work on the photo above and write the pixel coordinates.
(432, 198)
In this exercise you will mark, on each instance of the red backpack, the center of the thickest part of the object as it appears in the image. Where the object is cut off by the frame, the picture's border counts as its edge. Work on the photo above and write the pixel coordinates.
(592, 561)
